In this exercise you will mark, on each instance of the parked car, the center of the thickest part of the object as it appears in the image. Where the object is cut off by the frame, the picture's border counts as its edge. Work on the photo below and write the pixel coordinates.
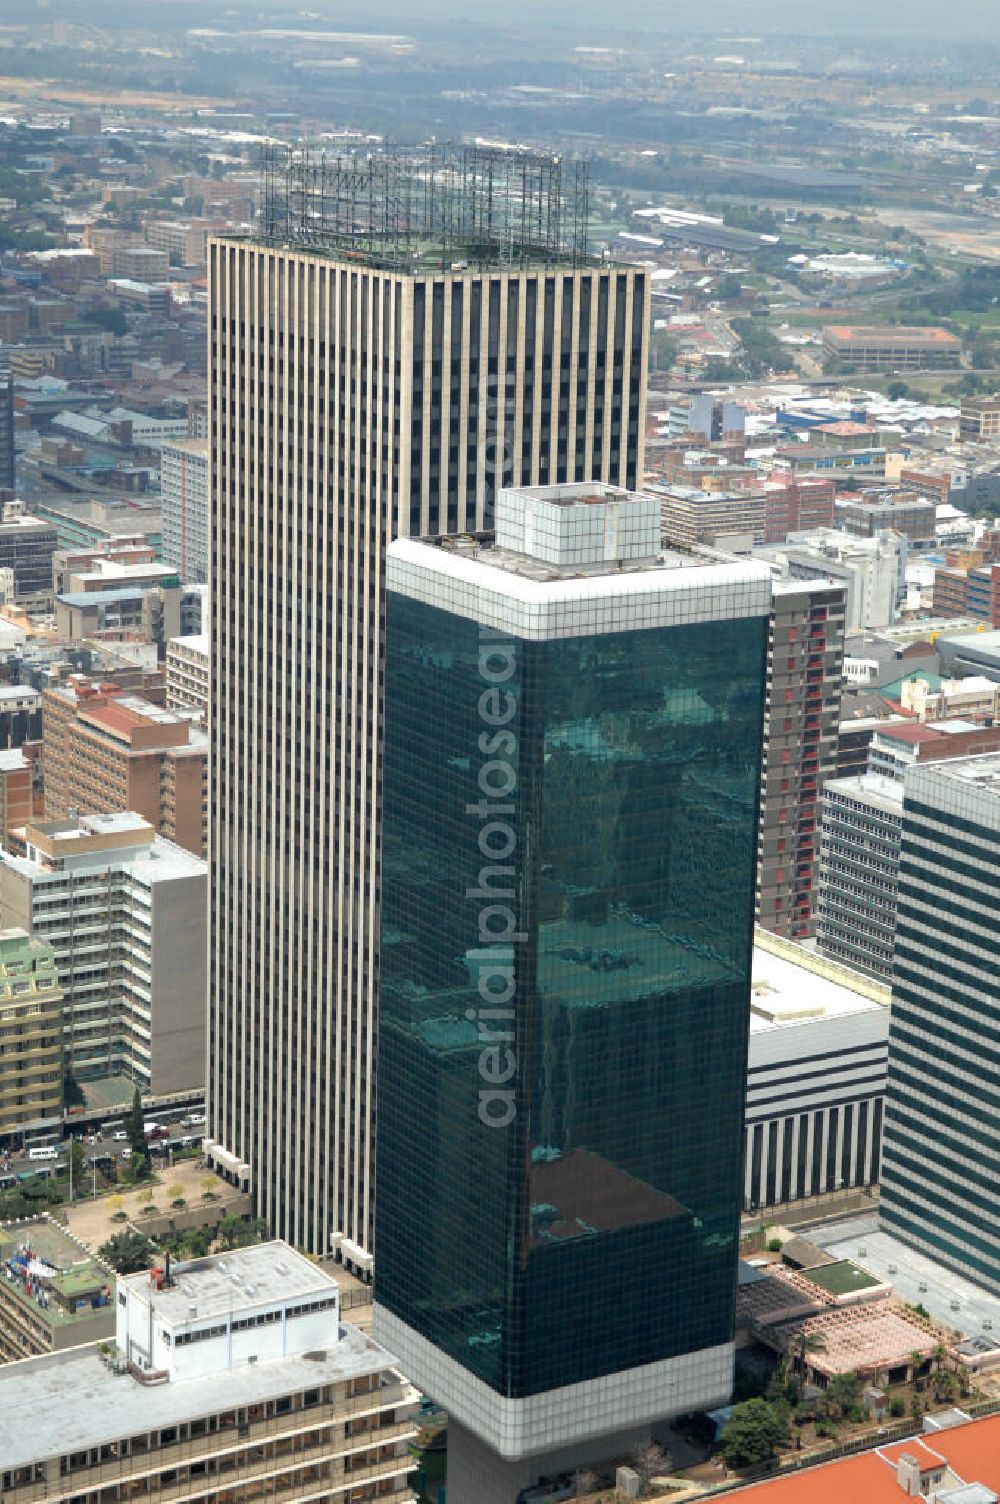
(119, 1136)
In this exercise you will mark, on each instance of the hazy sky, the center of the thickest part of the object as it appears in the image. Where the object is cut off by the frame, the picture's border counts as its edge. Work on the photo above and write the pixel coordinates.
(848, 19)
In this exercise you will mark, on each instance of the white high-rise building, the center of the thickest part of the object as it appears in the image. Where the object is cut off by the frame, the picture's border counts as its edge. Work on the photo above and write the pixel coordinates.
(184, 492)
(370, 378)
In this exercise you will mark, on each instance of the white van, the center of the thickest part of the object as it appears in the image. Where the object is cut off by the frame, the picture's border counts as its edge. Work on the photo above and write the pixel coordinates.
(46, 1151)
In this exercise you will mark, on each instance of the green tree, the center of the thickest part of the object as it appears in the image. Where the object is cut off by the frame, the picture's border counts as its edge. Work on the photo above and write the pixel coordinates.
(238, 1232)
(753, 1432)
(843, 1394)
(112, 319)
(898, 390)
(804, 1343)
(139, 1166)
(77, 1160)
(128, 1252)
(663, 350)
(134, 1124)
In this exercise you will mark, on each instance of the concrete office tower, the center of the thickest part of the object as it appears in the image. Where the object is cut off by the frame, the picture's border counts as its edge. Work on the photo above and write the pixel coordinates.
(372, 374)
(804, 677)
(819, 1043)
(942, 1133)
(125, 914)
(572, 754)
(228, 1378)
(31, 1056)
(184, 507)
(859, 872)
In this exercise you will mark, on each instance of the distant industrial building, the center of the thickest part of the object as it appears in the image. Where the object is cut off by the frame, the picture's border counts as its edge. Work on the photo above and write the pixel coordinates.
(125, 915)
(892, 347)
(816, 1080)
(227, 1377)
(971, 653)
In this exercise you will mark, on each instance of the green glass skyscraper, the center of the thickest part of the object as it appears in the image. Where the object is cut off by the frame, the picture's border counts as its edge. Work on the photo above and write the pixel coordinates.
(572, 753)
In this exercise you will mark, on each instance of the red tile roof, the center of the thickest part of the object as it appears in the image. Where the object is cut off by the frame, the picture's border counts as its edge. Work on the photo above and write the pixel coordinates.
(972, 1452)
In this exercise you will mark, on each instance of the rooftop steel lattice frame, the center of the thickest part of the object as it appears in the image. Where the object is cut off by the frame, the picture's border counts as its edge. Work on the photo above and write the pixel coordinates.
(438, 206)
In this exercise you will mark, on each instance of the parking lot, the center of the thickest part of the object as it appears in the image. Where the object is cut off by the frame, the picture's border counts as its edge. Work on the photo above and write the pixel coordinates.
(106, 1148)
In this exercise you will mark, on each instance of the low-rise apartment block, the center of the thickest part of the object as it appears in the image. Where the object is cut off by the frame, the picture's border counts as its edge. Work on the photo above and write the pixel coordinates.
(980, 417)
(31, 1035)
(105, 752)
(53, 1295)
(866, 516)
(120, 601)
(125, 915)
(184, 240)
(188, 673)
(232, 1378)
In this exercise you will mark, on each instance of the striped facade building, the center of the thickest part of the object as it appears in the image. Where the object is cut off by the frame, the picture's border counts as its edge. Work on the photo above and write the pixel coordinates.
(352, 403)
(816, 1077)
(942, 1139)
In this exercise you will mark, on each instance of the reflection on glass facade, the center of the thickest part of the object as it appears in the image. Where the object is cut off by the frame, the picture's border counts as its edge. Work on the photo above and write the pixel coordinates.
(559, 1168)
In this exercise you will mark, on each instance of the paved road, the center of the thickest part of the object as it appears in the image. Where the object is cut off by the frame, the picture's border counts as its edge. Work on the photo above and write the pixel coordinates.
(180, 1134)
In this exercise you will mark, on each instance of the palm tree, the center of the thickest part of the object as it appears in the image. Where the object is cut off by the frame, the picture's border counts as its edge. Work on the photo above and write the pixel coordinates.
(802, 1343)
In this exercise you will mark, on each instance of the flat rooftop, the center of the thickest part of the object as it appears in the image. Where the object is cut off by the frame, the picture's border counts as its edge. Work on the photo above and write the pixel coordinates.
(59, 1265)
(791, 985)
(873, 789)
(85, 1404)
(915, 1277)
(266, 1274)
(977, 772)
(894, 334)
(481, 548)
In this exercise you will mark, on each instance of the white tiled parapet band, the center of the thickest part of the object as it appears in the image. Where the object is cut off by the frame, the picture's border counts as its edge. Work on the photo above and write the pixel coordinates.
(700, 1380)
(469, 585)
